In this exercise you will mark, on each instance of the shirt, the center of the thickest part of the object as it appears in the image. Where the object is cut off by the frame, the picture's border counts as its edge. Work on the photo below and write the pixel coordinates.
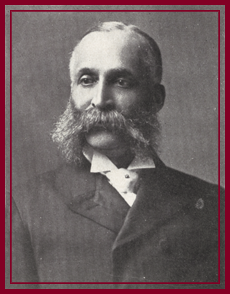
(125, 181)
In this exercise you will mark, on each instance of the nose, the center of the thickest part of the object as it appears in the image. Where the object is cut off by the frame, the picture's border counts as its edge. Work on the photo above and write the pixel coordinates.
(102, 97)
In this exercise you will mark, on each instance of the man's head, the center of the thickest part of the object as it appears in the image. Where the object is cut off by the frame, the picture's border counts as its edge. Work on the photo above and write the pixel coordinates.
(148, 50)
(115, 72)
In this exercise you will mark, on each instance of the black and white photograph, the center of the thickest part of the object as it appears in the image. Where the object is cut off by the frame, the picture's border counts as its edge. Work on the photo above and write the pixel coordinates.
(115, 147)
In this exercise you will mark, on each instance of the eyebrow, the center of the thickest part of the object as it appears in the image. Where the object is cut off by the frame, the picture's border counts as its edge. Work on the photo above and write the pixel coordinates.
(111, 73)
(86, 70)
(121, 72)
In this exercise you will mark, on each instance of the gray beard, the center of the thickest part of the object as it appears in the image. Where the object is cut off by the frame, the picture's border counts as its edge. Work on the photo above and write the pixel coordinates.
(141, 132)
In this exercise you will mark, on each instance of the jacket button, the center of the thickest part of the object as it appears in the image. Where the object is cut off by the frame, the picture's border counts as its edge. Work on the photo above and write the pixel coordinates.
(200, 203)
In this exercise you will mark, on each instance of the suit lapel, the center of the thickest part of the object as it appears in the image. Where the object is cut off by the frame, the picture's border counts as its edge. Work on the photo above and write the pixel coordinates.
(91, 196)
(154, 205)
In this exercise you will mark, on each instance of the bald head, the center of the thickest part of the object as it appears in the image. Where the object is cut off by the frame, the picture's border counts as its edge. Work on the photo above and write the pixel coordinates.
(148, 50)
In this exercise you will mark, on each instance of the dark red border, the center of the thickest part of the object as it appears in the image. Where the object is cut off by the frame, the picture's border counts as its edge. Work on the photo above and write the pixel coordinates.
(219, 141)
(11, 11)
(114, 10)
(10, 147)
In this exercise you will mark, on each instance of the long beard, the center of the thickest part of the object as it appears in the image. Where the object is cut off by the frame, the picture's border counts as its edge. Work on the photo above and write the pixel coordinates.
(141, 133)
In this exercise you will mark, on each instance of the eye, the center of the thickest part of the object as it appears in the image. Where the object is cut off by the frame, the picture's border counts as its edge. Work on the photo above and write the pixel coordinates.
(87, 80)
(124, 83)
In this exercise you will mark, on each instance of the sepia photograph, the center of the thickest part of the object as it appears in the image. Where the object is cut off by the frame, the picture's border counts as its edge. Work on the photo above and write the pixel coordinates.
(115, 171)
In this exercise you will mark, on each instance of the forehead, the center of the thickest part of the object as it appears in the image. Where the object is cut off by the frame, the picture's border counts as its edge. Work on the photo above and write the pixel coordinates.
(105, 50)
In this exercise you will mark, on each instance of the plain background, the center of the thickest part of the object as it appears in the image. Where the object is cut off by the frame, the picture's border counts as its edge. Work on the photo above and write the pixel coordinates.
(41, 47)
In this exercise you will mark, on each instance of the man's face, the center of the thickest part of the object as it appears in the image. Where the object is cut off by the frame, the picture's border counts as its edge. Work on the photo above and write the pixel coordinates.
(113, 104)
(109, 75)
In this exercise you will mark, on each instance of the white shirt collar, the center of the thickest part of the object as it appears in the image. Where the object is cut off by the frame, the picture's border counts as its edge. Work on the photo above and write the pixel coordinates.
(101, 163)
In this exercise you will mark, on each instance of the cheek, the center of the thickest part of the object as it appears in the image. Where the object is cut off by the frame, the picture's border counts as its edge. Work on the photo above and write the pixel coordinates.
(81, 100)
(130, 102)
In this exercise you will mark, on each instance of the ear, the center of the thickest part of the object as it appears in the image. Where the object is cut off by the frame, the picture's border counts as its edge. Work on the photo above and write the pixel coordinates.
(158, 96)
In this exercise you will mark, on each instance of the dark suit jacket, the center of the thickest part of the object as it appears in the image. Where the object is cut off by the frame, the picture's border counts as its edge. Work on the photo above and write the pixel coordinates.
(70, 225)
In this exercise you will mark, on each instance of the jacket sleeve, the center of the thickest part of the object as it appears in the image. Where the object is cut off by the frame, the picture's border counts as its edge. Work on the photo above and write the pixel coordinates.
(23, 262)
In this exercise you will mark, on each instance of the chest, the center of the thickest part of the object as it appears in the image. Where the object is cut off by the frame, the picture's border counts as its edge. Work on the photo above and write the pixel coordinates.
(72, 248)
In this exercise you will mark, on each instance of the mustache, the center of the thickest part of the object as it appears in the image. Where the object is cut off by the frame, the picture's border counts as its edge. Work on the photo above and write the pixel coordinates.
(131, 129)
(111, 120)
(70, 130)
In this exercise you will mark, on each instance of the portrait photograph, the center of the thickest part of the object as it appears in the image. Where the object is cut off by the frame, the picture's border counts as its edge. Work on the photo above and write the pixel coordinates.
(115, 146)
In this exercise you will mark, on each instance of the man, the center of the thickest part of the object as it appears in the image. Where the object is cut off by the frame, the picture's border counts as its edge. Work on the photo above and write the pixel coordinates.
(114, 213)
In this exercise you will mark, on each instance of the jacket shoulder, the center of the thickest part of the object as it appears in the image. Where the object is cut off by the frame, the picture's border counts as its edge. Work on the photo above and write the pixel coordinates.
(50, 184)
(197, 196)
(190, 184)
(26, 195)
